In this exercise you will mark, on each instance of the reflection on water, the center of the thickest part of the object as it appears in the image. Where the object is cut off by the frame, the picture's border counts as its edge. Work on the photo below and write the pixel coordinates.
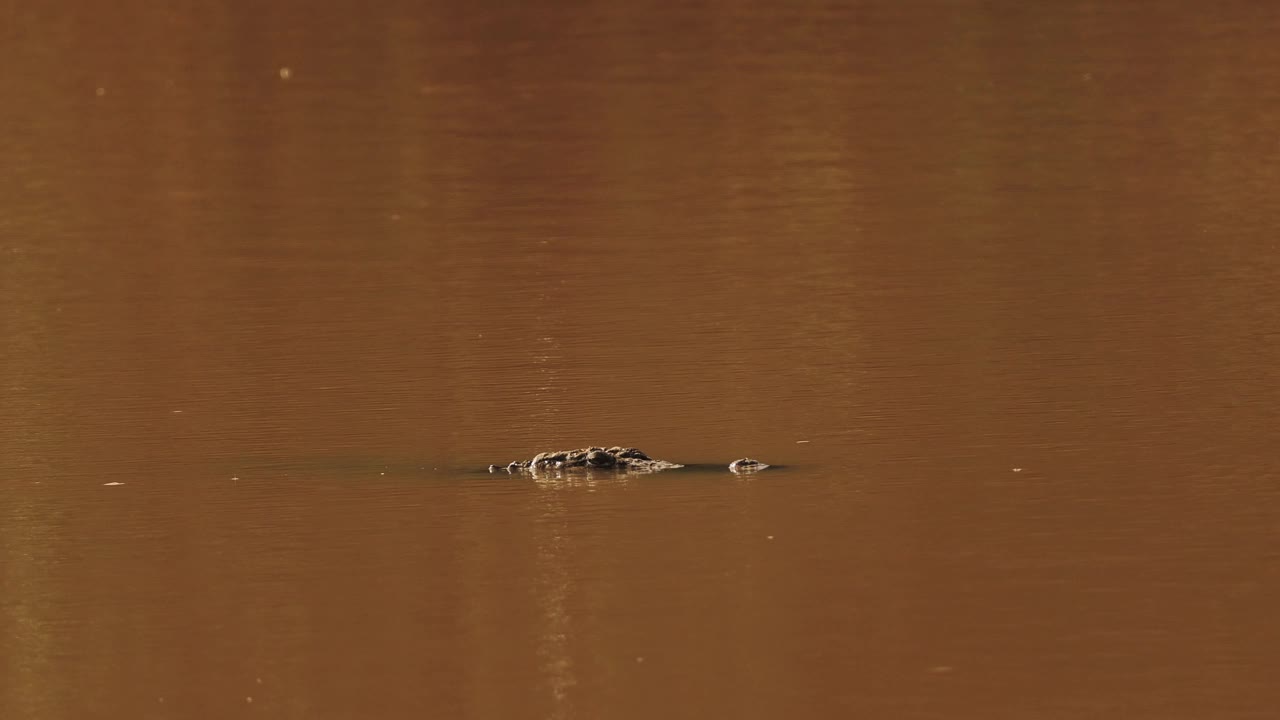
(555, 583)
(997, 286)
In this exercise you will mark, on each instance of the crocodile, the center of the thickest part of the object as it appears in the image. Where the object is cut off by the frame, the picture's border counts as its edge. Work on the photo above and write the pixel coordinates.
(621, 459)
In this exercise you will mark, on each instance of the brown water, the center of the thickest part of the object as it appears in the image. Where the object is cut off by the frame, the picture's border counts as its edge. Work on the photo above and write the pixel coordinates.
(998, 282)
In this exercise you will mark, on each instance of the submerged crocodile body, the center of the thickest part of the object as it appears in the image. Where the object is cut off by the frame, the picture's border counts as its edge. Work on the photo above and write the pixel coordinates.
(615, 458)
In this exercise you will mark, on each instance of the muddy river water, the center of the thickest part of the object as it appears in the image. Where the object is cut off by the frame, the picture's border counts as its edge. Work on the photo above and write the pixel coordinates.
(997, 282)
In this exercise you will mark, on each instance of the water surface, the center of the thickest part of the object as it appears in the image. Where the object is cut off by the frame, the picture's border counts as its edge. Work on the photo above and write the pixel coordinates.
(997, 285)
